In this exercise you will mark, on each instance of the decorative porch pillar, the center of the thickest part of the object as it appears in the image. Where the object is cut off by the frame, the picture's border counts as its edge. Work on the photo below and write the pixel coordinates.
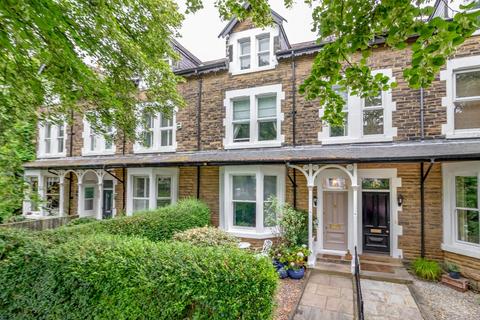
(100, 175)
(355, 188)
(80, 175)
(61, 200)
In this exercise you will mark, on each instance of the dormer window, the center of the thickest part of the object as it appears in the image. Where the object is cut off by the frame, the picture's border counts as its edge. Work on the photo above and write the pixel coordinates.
(244, 56)
(263, 50)
(51, 140)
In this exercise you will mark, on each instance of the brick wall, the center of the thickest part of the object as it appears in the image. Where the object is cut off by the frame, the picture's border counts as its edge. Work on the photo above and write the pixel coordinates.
(469, 267)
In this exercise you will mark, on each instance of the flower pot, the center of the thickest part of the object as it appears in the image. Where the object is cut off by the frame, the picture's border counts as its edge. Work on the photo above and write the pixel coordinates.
(282, 273)
(454, 274)
(296, 274)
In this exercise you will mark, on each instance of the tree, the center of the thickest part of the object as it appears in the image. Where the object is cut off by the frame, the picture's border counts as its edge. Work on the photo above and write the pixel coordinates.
(59, 56)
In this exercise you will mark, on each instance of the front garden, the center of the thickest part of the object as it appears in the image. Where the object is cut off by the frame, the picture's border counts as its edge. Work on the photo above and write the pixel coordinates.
(162, 264)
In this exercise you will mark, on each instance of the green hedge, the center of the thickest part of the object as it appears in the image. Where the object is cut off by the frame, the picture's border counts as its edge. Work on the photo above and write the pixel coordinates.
(117, 277)
(156, 225)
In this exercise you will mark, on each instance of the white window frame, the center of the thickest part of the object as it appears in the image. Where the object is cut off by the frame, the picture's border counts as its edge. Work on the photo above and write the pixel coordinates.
(373, 108)
(355, 107)
(54, 139)
(241, 56)
(94, 199)
(27, 203)
(152, 174)
(99, 141)
(252, 94)
(226, 198)
(448, 75)
(157, 129)
(258, 38)
(450, 223)
(252, 34)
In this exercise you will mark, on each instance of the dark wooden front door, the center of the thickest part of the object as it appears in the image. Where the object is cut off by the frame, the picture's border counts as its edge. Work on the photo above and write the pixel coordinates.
(107, 204)
(376, 221)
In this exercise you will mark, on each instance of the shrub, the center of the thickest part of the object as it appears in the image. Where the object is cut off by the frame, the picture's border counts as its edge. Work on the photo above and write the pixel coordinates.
(292, 224)
(76, 222)
(155, 225)
(117, 277)
(427, 269)
(206, 237)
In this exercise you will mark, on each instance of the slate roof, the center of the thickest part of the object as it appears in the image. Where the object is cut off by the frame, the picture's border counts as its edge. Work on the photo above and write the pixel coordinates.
(439, 150)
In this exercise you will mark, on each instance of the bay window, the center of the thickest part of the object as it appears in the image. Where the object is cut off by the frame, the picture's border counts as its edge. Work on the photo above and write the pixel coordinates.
(150, 188)
(461, 208)
(253, 117)
(249, 192)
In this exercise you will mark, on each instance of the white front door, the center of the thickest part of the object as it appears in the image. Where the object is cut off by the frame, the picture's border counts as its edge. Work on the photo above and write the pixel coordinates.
(335, 220)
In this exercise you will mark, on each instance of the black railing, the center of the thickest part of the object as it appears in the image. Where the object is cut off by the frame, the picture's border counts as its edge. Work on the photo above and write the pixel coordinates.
(358, 287)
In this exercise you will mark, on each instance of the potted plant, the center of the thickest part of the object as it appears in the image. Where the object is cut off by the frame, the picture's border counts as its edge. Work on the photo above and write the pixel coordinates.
(296, 260)
(453, 270)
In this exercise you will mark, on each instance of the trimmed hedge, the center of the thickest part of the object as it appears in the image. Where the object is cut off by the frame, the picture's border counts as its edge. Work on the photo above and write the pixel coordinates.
(156, 225)
(206, 237)
(117, 277)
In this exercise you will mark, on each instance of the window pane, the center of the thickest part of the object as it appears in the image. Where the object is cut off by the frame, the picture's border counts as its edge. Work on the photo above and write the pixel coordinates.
(467, 115)
(373, 101)
(60, 145)
(263, 59)
(140, 204)
(378, 184)
(147, 139)
(163, 202)
(165, 121)
(342, 93)
(264, 43)
(88, 204)
(340, 131)
(140, 187)
(267, 106)
(48, 130)
(466, 192)
(107, 184)
(241, 132)
(244, 188)
(468, 84)
(244, 214)
(33, 182)
(89, 192)
(372, 122)
(52, 194)
(164, 186)
(166, 138)
(241, 109)
(468, 226)
(245, 62)
(108, 142)
(244, 46)
(269, 187)
(267, 130)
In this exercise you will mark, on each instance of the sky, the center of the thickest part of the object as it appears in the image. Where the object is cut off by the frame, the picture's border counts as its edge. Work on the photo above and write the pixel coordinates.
(199, 33)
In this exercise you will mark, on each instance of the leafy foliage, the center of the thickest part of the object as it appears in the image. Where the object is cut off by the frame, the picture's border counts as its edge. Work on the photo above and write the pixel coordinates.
(427, 269)
(156, 225)
(206, 237)
(294, 257)
(292, 224)
(115, 277)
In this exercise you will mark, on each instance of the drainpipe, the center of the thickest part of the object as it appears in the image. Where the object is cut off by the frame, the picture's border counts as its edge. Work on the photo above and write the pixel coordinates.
(294, 125)
(199, 140)
(423, 177)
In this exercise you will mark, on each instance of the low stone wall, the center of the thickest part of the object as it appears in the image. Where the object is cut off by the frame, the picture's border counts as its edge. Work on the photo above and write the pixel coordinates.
(40, 224)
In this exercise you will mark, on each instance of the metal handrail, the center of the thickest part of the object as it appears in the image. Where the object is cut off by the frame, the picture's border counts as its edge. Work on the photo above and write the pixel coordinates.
(358, 287)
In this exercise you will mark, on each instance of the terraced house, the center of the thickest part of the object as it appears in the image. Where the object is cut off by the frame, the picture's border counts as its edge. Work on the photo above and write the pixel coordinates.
(400, 178)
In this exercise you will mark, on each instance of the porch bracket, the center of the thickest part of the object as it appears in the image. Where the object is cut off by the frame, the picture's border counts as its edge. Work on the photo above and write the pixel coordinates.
(423, 178)
(114, 176)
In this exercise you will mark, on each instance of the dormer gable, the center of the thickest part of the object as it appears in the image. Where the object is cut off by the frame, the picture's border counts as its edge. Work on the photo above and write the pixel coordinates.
(250, 48)
(187, 59)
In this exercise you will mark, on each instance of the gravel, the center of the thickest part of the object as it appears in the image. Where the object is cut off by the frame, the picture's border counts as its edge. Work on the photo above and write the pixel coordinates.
(288, 295)
(440, 302)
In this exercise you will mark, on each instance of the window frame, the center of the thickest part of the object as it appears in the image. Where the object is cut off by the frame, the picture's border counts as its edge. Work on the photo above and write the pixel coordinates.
(453, 67)
(157, 130)
(241, 56)
(252, 94)
(89, 211)
(259, 38)
(54, 140)
(463, 99)
(146, 186)
(152, 174)
(157, 197)
(451, 240)
(260, 230)
(96, 144)
(373, 108)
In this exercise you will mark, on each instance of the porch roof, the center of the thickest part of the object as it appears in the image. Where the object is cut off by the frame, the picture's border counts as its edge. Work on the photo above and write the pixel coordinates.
(440, 150)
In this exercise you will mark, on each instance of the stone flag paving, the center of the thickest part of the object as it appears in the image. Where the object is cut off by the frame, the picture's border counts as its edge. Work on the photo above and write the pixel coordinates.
(331, 297)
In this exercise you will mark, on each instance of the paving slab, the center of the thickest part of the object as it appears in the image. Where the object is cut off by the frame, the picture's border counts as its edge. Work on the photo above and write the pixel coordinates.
(386, 300)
